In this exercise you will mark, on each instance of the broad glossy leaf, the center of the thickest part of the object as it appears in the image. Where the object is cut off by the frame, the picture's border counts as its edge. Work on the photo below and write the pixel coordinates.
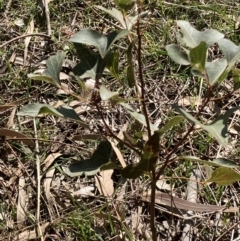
(151, 151)
(62, 111)
(133, 20)
(125, 5)
(218, 162)
(127, 22)
(106, 94)
(103, 43)
(112, 64)
(139, 117)
(198, 56)
(110, 166)
(43, 78)
(148, 159)
(177, 54)
(191, 37)
(91, 65)
(52, 73)
(236, 78)
(224, 176)
(215, 70)
(100, 158)
(54, 66)
(133, 171)
(171, 123)
(225, 162)
(230, 51)
(115, 13)
(218, 127)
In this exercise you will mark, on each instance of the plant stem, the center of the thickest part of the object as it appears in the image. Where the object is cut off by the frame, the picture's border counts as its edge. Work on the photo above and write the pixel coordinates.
(140, 72)
(139, 60)
(152, 207)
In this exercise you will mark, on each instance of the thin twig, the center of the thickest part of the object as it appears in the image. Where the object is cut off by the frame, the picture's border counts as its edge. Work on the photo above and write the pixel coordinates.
(24, 36)
(38, 182)
(139, 60)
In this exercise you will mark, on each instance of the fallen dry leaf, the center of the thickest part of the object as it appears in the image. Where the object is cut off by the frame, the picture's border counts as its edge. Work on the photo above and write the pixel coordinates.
(65, 90)
(50, 159)
(22, 197)
(28, 235)
(10, 123)
(104, 183)
(163, 185)
(170, 201)
(118, 153)
(84, 191)
(27, 41)
(48, 180)
(47, 185)
(189, 101)
(11, 135)
(12, 104)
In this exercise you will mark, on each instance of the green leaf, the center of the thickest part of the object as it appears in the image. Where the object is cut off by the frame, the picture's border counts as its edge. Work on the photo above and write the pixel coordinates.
(106, 94)
(63, 111)
(103, 43)
(133, 20)
(225, 162)
(236, 78)
(215, 70)
(110, 166)
(198, 56)
(230, 51)
(52, 73)
(171, 123)
(218, 162)
(130, 68)
(112, 64)
(139, 117)
(148, 159)
(115, 13)
(151, 151)
(224, 176)
(125, 5)
(192, 37)
(54, 66)
(43, 78)
(91, 65)
(126, 21)
(218, 127)
(99, 159)
(133, 171)
(177, 54)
